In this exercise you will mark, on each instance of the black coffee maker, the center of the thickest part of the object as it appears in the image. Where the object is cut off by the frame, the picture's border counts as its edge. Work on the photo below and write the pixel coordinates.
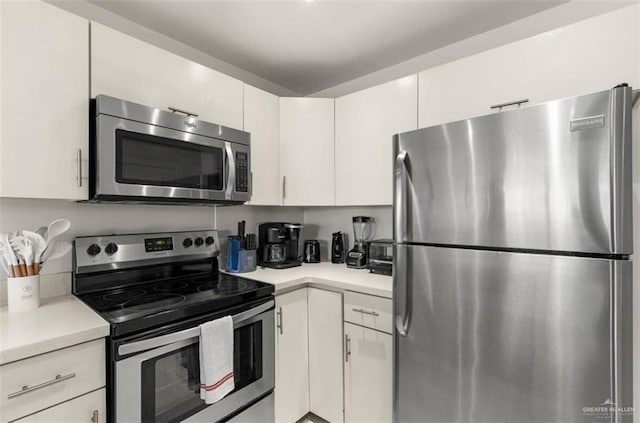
(280, 245)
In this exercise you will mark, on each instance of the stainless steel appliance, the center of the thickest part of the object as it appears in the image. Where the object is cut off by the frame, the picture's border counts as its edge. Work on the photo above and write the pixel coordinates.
(512, 278)
(337, 247)
(155, 290)
(312, 251)
(142, 154)
(280, 245)
(380, 253)
(362, 230)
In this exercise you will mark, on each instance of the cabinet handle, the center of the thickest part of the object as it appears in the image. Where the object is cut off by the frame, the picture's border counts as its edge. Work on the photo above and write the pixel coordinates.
(347, 348)
(510, 103)
(79, 168)
(363, 311)
(184, 112)
(25, 389)
(284, 187)
(94, 418)
(279, 313)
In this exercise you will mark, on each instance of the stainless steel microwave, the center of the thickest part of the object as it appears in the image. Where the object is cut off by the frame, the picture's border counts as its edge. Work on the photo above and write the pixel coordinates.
(142, 154)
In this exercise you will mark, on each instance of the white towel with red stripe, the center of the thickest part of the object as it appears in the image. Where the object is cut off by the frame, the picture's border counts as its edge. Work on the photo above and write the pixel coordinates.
(216, 359)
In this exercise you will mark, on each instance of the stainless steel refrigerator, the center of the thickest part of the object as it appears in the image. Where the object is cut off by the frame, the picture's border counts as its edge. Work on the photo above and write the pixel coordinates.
(512, 279)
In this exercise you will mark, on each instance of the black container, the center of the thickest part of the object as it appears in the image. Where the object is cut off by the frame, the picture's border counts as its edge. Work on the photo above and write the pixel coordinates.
(311, 251)
(337, 247)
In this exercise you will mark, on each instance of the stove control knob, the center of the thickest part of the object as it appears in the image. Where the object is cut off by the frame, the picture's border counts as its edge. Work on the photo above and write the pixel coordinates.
(209, 240)
(199, 241)
(188, 242)
(93, 250)
(111, 248)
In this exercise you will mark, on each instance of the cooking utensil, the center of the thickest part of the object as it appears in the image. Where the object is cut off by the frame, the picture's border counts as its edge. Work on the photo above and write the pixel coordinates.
(42, 231)
(5, 262)
(56, 250)
(10, 254)
(57, 228)
(24, 248)
(39, 245)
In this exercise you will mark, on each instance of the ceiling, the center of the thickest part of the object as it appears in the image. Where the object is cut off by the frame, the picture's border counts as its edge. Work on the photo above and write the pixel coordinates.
(310, 45)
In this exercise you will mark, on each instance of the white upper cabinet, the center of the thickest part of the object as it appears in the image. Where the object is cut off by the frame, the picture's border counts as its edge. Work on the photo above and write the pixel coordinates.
(306, 151)
(127, 68)
(261, 119)
(365, 124)
(585, 57)
(44, 113)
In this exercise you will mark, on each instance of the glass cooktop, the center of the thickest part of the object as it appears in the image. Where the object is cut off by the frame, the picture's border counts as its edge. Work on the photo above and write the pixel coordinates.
(174, 299)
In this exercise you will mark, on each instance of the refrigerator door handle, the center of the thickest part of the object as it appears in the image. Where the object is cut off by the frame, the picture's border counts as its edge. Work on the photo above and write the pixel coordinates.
(401, 291)
(401, 182)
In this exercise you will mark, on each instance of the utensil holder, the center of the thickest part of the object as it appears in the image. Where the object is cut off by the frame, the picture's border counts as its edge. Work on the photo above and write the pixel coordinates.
(23, 293)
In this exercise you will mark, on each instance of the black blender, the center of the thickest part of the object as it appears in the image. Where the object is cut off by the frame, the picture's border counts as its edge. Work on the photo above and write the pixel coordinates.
(357, 256)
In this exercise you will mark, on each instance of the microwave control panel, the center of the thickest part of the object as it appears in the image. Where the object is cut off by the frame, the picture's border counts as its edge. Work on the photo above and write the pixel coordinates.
(242, 172)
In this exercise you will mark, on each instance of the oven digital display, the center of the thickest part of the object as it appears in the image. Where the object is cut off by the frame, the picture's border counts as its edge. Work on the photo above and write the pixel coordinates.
(158, 244)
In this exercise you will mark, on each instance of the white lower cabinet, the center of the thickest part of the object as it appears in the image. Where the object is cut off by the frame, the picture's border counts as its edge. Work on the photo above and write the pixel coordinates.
(292, 357)
(86, 408)
(325, 355)
(368, 379)
(43, 382)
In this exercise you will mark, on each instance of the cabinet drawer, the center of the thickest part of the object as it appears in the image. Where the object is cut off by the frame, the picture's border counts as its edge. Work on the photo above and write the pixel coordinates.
(87, 408)
(50, 379)
(368, 310)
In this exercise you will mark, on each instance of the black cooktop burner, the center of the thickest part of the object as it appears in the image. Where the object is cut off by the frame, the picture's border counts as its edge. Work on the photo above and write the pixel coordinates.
(169, 286)
(154, 302)
(124, 295)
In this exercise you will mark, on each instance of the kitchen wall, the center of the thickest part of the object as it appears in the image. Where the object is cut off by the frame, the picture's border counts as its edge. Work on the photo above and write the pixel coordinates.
(636, 259)
(321, 222)
(99, 219)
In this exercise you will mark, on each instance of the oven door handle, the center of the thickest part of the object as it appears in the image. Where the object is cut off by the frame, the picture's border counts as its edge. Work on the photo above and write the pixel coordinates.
(160, 341)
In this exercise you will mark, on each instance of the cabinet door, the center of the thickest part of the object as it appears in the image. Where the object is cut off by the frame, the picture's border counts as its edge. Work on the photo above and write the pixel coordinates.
(292, 357)
(127, 68)
(368, 375)
(306, 151)
(261, 119)
(365, 124)
(45, 101)
(325, 355)
(86, 408)
(585, 57)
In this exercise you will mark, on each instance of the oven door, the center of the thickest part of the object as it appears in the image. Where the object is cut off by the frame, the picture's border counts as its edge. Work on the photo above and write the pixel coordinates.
(144, 162)
(162, 384)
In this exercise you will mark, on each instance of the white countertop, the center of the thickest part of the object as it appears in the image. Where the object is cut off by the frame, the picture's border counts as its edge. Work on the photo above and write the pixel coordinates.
(324, 274)
(59, 323)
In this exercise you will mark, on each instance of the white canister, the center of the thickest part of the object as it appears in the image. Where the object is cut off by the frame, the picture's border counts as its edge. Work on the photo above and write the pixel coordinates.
(23, 293)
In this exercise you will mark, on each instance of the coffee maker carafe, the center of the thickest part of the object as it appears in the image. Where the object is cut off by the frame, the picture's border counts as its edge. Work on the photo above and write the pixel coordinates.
(280, 245)
(357, 256)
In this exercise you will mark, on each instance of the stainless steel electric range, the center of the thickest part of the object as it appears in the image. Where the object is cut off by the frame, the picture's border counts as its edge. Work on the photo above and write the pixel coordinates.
(155, 290)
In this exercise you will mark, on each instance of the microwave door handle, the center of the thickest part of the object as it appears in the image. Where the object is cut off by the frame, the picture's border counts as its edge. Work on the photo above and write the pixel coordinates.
(230, 161)
(160, 341)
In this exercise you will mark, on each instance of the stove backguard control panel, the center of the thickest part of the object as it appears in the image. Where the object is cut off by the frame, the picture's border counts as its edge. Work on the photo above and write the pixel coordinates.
(99, 253)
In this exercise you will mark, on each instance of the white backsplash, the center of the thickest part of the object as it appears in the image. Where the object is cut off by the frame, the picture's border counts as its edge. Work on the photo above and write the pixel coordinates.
(321, 222)
(99, 219)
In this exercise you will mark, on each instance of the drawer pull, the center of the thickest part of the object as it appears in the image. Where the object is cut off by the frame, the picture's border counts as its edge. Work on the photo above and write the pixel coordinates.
(510, 103)
(184, 112)
(363, 311)
(25, 389)
(94, 418)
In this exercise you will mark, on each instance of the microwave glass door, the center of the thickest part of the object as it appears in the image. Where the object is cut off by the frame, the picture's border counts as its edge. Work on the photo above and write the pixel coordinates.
(143, 159)
(171, 381)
